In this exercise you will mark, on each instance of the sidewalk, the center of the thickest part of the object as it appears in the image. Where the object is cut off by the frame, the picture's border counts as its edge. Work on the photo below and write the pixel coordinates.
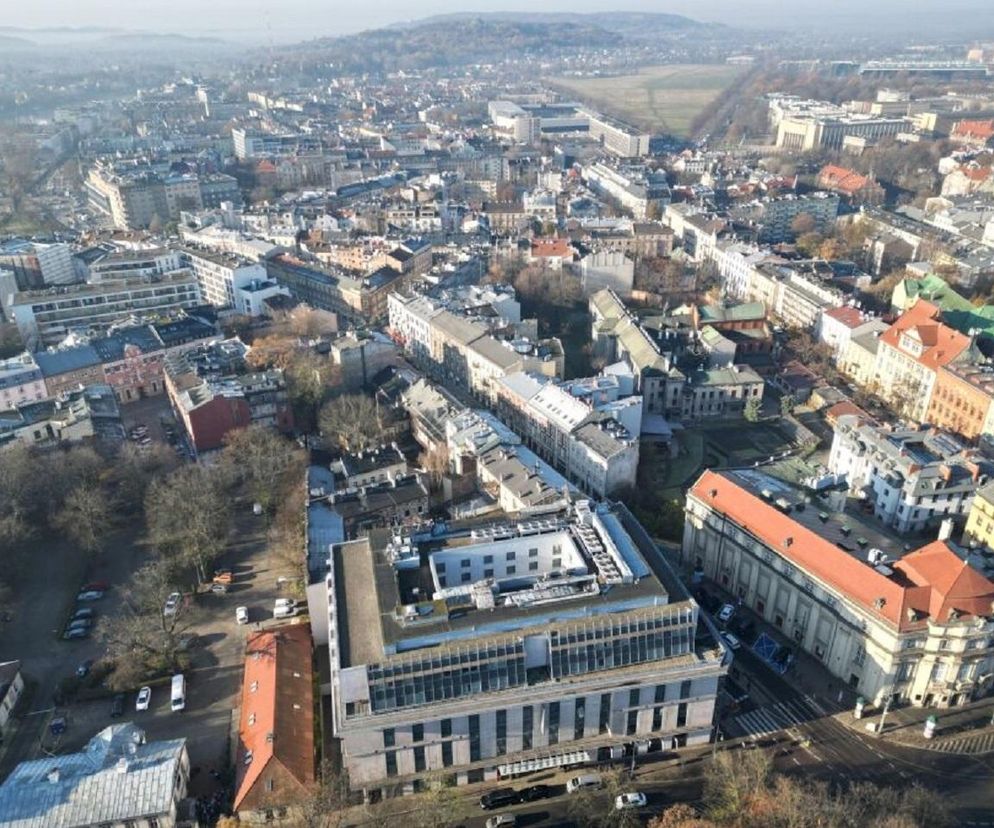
(965, 730)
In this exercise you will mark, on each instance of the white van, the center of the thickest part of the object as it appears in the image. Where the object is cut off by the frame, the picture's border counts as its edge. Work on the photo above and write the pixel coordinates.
(285, 611)
(178, 692)
(586, 780)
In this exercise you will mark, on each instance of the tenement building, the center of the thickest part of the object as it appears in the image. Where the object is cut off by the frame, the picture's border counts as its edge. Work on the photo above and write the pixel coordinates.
(915, 627)
(511, 647)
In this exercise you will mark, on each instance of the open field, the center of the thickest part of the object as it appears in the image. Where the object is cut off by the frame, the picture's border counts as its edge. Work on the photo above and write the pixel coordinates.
(663, 99)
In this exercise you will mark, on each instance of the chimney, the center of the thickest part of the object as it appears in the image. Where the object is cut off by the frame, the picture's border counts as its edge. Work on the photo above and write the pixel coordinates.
(946, 529)
(53, 776)
(122, 765)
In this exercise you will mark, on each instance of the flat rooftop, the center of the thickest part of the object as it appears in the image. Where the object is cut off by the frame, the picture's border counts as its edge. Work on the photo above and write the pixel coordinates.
(399, 594)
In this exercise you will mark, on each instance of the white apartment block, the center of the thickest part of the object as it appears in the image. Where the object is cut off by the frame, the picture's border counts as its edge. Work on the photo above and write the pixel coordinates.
(911, 479)
(560, 638)
(916, 627)
(221, 275)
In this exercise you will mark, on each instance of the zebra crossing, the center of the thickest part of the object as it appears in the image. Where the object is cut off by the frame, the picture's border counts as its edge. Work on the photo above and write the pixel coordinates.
(976, 743)
(776, 717)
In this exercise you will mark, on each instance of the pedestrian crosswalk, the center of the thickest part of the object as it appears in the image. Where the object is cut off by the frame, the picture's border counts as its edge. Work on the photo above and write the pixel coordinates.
(773, 718)
(975, 743)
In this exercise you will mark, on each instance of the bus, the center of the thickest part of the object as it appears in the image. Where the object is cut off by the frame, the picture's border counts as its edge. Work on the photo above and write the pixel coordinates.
(179, 692)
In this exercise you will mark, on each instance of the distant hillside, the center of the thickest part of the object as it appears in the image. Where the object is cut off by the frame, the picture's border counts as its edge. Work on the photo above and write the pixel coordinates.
(633, 24)
(457, 40)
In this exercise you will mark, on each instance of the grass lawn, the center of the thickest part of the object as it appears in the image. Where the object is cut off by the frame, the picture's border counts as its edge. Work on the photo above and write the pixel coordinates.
(659, 98)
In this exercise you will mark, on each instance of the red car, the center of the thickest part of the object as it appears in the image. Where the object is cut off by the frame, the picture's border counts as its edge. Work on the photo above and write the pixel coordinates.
(96, 586)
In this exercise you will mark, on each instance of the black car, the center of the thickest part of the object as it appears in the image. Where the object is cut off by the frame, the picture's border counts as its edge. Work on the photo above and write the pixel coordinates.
(499, 798)
(117, 706)
(535, 792)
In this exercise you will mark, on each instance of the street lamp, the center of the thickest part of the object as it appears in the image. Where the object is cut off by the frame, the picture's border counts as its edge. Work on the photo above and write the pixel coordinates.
(883, 713)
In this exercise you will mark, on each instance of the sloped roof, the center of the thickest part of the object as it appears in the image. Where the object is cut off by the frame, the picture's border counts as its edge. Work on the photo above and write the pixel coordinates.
(922, 321)
(53, 363)
(803, 547)
(277, 708)
(953, 585)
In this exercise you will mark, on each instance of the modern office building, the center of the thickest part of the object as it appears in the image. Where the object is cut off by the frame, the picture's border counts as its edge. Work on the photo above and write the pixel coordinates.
(617, 138)
(510, 648)
(915, 627)
(44, 317)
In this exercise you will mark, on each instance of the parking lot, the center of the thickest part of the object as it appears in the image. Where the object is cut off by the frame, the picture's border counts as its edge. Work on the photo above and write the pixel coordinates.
(213, 681)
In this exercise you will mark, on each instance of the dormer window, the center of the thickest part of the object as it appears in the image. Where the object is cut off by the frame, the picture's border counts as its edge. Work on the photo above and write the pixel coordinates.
(911, 345)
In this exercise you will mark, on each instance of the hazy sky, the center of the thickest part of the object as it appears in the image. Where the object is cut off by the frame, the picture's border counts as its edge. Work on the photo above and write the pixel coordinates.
(301, 19)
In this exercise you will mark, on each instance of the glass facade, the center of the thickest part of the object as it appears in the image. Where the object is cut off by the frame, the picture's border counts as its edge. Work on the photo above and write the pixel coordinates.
(527, 726)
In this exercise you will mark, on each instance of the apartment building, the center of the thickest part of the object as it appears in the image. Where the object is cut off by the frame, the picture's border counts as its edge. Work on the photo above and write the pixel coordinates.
(45, 317)
(109, 263)
(776, 215)
(21, 381)
(36, 265)
(911, 479)
(211, 396)
(617, 137)
(560, 639)
(963, 396)
(910, 353)
(643, 192)
(979, 529)
(593, 451)
(910, 627)
(222, 276)
(78, 414)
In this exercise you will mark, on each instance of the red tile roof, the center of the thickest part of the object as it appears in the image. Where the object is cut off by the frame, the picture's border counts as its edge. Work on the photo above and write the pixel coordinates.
(952, 584)
(979, 130)
(842, 180)
(551, 248)
(931, 579)
(922, 320)
(276, 721)
(845, 408)
(849, 316)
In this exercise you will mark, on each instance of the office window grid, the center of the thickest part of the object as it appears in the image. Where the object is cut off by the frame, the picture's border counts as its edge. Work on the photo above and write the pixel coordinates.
(618, 644)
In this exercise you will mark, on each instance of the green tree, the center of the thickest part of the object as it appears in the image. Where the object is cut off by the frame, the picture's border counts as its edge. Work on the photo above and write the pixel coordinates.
(752, 409)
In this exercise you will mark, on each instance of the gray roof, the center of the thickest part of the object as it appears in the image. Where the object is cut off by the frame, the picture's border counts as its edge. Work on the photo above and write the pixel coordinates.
(53, 363)
(114, 778)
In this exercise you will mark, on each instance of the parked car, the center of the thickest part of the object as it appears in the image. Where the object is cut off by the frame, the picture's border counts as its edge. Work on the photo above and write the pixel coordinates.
(285, 602)
(584, 780)
(90, 595)
(58, 725)
(144, 697)
(499, 798)
(81, 624)
(83, 612)
(629, 801)
(172, 603)
(731, 640)
(726, 612)
(502, 821)
(241, 615)
(96, 586)
(117, 706)
(84, 668)
(223, 576)
(535, 792)
(76, 634)
(219, 589)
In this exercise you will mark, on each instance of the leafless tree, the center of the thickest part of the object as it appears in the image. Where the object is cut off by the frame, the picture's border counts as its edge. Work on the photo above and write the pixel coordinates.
(352, 421)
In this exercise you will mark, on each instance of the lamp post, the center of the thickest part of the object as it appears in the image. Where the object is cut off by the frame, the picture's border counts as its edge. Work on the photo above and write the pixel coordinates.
(883, 713)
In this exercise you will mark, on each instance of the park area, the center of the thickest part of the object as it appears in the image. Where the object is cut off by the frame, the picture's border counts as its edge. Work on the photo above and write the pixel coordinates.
(661, 99)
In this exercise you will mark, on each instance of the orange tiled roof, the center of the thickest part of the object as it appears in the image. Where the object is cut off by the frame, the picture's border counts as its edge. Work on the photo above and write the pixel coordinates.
(842, 179)
(551, 247)
(931, 580)
(942, 343)
(277, 711)
(951, 582)
(983, 130)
